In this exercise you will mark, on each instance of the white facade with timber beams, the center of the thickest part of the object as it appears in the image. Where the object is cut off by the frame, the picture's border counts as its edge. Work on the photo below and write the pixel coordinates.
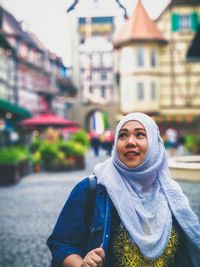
(180, 81)
(154, 73)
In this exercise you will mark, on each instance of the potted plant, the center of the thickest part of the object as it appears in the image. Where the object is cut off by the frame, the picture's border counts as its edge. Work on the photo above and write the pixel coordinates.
(58, 155)
(81, 137)
(49, 155)
(25, 157)
(75, 152)
(36, 161)
(9, 165)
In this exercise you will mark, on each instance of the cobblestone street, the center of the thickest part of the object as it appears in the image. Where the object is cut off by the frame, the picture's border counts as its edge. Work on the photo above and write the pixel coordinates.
(28, 211)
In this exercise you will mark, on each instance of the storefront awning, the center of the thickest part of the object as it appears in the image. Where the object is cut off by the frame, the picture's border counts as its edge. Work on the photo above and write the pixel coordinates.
(15, 110)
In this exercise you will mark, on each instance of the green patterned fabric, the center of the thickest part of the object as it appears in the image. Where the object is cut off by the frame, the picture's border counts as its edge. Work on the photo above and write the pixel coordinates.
(128, 255)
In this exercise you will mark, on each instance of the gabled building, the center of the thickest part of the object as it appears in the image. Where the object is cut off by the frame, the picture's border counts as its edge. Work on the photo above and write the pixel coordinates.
(138, 47)
(93, 23)
(9, 108)
(154, 74)
(34, 74)
(180, 83)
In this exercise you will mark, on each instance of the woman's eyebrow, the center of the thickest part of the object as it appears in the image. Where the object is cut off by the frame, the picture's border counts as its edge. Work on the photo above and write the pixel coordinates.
(136, 129)
(139, 129)
(123, 130)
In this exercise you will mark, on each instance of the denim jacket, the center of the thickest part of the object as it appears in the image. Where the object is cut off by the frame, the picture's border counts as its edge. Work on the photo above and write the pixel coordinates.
(71, 235)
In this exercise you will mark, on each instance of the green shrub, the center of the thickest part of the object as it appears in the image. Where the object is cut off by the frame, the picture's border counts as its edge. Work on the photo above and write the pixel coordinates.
(48, 151)
(193, 143)
(80, 137)
(36, 144)
(12, 155)
(25, 153)
(36, 157)
(72, 148)
(59, 154)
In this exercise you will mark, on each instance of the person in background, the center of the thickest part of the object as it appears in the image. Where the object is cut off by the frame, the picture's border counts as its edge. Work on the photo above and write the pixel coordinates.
(95, 142)
(171, 141)
(181, 150)
(108, 140)
(141, 216)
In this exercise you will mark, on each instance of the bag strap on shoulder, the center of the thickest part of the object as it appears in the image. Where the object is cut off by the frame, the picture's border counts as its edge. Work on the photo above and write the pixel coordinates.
(90, 202)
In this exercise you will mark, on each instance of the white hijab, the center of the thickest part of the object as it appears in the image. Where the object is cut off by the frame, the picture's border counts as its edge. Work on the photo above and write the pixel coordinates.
(145, 197)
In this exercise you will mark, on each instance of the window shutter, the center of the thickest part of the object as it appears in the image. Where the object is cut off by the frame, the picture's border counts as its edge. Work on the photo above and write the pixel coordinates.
(174, 22)
(194, 21)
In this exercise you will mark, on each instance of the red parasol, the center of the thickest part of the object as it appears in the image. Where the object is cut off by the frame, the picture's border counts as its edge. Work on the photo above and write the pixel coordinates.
(48, 119)
(71, 129)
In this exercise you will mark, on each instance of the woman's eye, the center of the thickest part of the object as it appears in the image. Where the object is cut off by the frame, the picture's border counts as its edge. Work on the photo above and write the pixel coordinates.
(141, 134)
(122, 135)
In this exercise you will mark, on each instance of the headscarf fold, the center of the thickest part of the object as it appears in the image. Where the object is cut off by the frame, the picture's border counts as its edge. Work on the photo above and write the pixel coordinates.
(145, 197)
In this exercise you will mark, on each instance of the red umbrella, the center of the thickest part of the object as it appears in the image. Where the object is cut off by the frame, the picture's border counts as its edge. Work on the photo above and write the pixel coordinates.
(48, 119)
(71, 129)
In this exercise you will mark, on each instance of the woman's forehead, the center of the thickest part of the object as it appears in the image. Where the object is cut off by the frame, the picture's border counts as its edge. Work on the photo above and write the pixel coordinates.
(132, 124)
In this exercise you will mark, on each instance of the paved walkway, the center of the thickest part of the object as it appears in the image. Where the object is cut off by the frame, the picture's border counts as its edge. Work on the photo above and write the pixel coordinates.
(28, 212)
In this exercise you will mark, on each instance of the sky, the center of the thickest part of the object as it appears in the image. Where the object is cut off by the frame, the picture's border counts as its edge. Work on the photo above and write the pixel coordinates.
(49, 21)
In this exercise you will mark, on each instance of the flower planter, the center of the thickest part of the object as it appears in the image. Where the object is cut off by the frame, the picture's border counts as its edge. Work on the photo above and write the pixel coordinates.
(37, 167)
(79, 162)
(9, 173)
(24, 168)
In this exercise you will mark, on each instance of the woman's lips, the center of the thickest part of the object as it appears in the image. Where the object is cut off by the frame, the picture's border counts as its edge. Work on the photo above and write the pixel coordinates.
(131, 154)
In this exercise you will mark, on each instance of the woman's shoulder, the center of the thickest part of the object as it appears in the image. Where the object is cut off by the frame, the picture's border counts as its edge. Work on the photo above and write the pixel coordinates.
(83, 185)
(80, 193)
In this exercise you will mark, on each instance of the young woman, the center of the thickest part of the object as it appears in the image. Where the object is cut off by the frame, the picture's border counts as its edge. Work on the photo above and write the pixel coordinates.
(141, 216)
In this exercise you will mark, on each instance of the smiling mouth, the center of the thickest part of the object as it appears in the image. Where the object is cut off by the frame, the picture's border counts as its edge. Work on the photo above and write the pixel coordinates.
(131, 154)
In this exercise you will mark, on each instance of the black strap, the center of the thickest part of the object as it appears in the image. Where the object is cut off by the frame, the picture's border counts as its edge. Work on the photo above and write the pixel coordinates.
(90, 199)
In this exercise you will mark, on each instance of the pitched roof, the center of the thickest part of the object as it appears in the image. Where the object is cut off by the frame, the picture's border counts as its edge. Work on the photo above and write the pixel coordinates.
(139, 27)
(180, 3)
(17, 29)
(185, 2)
(193, 53)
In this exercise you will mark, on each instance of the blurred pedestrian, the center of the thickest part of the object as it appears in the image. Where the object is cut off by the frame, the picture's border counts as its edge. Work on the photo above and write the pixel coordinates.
(95, 142)
(181, 150)
(141, 216)
(108, 140)
(171, 136)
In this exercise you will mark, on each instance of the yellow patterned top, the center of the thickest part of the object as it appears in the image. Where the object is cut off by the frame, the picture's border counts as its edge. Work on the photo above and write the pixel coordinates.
(128, 255)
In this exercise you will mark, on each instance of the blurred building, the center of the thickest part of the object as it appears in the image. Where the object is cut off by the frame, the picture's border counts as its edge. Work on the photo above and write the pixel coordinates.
(154, 73)
(30, 75)
(139, 46)
(93, 24)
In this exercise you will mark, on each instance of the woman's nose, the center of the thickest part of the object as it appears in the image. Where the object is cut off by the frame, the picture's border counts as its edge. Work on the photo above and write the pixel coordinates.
(131, 141)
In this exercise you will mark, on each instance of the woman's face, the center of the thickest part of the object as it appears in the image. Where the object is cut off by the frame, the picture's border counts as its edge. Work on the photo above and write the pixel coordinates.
(132, 144)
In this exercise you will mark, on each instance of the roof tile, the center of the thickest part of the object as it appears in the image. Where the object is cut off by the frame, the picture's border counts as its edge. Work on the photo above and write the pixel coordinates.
(139, 27)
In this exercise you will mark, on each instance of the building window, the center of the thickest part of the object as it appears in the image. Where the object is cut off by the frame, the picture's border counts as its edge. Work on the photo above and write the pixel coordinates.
(103, 91)
(91, 89)
(96, 76)
(104, 76)
(107, 60)
(96, 60)
(185, 22)
(140, 91)
(140, 57)
(153, 91)
(85, 61)
(153, 57)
